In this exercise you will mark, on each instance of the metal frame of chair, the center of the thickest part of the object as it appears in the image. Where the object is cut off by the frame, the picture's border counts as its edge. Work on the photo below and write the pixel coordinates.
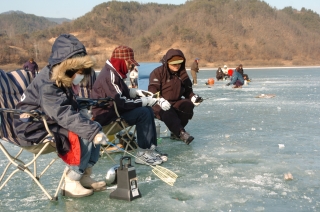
(115, 127)
(46, 146)
(12, 85)
(123, 130)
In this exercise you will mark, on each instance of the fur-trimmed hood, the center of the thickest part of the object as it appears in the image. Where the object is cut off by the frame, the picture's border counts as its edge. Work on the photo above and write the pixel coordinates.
(67, 53)
(59, 71)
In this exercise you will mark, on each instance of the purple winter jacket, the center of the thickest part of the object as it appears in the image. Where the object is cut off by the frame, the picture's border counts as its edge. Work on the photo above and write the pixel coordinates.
(33, 67)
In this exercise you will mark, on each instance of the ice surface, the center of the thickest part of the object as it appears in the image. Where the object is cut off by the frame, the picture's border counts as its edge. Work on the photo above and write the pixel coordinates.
(234, 163)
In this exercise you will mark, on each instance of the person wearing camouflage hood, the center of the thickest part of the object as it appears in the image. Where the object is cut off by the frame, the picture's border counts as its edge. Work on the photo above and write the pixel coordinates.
(51, 93)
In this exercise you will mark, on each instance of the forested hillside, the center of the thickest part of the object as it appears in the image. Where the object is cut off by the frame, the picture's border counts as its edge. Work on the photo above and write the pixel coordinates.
(217, 31)
(16, 23)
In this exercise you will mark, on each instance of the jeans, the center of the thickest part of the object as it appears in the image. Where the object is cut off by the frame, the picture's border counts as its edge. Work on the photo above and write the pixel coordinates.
(143, 118)
(89, 156)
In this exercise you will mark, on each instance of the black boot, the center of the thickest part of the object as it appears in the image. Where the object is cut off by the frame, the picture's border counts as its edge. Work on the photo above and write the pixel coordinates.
(186, 137)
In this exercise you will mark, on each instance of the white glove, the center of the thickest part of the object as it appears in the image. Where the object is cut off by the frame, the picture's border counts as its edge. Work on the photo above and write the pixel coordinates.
(139, 93)
(164, 104)
(196, 100)
(100, 138)
(148, 101)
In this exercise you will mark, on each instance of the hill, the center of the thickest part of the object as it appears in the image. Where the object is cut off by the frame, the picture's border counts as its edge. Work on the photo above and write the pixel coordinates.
(217, 31)
(58, 20)
(16, 22)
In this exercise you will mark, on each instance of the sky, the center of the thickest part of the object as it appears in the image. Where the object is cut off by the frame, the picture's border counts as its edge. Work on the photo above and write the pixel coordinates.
(73, 9)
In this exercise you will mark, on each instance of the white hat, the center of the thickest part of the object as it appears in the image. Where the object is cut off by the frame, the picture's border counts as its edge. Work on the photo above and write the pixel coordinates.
(225, 66)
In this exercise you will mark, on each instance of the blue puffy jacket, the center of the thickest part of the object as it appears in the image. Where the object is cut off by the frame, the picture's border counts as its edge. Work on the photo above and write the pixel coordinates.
(236, 76)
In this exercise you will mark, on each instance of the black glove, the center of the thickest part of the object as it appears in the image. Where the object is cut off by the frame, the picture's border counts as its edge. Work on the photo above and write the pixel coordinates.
(199, 99)
(196, 100)
(227, 84)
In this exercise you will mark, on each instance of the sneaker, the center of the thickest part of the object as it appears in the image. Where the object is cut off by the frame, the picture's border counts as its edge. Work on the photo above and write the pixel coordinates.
(158, 153)
(186, 137)
(146, 156)
(174, 137)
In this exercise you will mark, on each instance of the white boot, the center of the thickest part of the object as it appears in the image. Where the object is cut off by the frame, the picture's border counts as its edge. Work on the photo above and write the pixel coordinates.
(87, 182)
(73, 188)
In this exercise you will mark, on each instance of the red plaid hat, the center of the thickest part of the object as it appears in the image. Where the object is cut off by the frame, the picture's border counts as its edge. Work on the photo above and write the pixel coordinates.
(126, 53)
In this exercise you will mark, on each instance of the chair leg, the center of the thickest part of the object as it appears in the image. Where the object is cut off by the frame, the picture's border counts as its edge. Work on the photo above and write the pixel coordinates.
(35, 166)
(21, 166)
(130, 140)
(55, 197)
(47, 167)
(104, 150)
(15, 158)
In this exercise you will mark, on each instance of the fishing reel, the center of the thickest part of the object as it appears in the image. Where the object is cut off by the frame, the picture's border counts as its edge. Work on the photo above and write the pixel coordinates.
(86, 103)
(199, 99)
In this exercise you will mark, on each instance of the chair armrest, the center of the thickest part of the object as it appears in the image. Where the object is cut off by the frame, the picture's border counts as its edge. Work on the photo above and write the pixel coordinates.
(33, 113)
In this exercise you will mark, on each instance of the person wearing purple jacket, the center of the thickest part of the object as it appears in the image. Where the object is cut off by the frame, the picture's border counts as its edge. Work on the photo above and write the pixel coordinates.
(32, 66)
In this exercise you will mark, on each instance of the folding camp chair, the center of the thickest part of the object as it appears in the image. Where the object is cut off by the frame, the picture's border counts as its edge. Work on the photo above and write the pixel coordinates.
(12, 85)
(118, 131)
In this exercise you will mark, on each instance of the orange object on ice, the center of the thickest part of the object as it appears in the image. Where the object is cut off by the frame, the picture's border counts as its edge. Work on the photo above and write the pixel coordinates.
(230, 72)
(210, 81)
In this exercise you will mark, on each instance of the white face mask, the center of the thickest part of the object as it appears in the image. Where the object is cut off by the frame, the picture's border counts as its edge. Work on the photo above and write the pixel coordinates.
(77, 79)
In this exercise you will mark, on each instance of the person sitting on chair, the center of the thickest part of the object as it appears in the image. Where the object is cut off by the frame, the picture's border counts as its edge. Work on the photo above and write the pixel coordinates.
(133, 105)
(236, 79)
(172, 81)
(51, 93)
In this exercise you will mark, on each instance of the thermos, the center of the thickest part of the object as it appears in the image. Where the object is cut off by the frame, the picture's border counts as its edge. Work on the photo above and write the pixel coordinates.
(158, 129)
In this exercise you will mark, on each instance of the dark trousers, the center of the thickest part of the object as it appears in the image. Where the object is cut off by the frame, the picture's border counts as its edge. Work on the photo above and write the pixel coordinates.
(238, 83)
(143, 118)
(178, 116)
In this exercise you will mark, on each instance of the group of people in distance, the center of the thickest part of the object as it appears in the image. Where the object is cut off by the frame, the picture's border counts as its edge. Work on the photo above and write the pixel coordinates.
(53, 92)
(237, 78)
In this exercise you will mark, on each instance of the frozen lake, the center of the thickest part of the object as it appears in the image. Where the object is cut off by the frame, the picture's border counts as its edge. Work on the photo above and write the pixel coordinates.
(235, 162)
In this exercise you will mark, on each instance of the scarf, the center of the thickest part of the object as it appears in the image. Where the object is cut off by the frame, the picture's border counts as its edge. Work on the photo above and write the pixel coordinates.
(120, 66)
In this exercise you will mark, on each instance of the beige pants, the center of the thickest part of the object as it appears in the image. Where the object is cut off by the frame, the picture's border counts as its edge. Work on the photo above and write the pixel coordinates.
(194, 76)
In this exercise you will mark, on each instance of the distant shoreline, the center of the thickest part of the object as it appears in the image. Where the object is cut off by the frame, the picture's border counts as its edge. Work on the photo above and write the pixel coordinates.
(280, 67)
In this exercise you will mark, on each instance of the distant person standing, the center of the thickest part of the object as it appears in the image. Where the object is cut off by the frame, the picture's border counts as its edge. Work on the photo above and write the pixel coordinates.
(195, 70)
(32, 66)
(133, 76)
